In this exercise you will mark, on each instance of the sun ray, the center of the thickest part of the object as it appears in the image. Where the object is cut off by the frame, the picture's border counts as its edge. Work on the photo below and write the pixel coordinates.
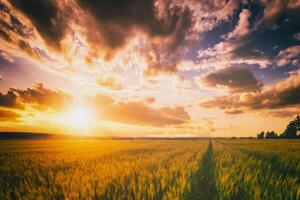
(79, 118)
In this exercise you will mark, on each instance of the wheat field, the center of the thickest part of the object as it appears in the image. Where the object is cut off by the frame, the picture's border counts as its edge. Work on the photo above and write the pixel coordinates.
(149, 169)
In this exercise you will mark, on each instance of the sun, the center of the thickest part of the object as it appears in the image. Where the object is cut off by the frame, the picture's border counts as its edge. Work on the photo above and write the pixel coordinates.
(79, 118)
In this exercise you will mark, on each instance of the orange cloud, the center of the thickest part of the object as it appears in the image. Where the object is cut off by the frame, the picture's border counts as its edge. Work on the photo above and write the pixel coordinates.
(150, 100)
(233, 112)
(284, 94)
(137, 113)
(10, 100)
(109, 83)
(288, 56)
(43, 98)
(242, 28)
(7, 115)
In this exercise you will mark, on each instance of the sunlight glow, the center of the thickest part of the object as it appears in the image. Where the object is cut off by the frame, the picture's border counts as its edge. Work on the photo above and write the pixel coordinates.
(79, 118)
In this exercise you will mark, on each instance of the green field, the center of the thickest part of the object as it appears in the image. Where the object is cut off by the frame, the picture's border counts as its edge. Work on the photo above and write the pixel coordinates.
(153, 169)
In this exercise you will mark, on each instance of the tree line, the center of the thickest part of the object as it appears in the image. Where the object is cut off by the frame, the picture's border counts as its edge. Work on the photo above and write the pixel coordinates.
(292, 131)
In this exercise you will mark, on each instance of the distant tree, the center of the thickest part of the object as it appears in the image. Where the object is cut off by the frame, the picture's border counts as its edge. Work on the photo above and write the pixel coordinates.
(261, 135)
(292, 129)
(271, 135)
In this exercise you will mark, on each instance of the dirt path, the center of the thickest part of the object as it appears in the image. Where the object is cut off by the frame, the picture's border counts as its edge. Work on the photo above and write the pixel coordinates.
(203, 181)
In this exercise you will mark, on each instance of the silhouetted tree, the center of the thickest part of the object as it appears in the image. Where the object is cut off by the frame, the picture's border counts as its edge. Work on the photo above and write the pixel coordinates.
(271, 135)
(261, 135)
(292, 129)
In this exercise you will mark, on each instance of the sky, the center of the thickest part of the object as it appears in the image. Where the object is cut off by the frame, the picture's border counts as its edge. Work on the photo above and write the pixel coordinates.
(167, 68)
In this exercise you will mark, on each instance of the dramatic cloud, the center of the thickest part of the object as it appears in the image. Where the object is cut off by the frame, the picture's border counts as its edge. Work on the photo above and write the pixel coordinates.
(285, 93)
(15, 33)
(137, 113)
(164, 55)
(235, 78)
(46, 17)
(236, 48)
(10, 22)
(114, 23)
(275, 9)
(242, 28)
(43, 98)
(6, 115)
(209, 14)
(261, 26)
(290, 55)
(9, 100)
(117, 19)
(157, 58)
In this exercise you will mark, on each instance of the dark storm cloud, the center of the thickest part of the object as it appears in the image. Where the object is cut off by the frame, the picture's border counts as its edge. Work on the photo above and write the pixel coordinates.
(107, 25)
(116, 18)
(169, 54)
(46, 17)
(237, 79)
(117, 21)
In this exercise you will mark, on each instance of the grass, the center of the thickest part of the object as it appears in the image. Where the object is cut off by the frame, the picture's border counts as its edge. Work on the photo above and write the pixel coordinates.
(110, 169)
(258, 170)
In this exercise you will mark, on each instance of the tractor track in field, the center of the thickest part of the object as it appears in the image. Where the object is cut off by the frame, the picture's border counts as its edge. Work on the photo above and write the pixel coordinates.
(203, 181)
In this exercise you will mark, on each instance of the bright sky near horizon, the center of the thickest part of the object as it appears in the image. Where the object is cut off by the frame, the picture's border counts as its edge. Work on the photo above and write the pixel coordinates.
(149, 67)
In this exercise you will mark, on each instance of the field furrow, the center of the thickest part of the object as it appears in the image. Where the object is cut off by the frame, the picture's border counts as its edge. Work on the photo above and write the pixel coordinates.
(203, 180)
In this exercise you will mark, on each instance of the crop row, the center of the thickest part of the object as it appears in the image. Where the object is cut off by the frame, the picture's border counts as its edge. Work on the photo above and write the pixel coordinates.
(98, 169)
